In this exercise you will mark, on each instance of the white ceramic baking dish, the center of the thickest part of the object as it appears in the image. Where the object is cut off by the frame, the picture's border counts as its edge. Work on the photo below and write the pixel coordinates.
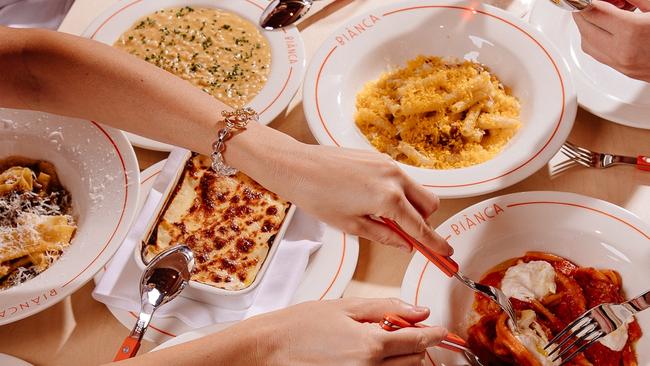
(231, 299)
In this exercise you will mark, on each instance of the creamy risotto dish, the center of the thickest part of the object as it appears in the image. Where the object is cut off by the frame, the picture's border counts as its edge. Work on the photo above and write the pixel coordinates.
(219, 52)
(438, 114)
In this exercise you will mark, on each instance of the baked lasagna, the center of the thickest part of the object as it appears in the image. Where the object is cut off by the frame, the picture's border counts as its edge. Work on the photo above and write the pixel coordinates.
(229, 223)
(35, 221)
(548, 292)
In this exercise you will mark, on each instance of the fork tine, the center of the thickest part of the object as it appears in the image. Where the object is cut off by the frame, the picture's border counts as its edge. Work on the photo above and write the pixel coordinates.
(568, 150)
(569, 327)
(580, 159)
(580, 349)
(578, 148)
(572, 333)
(581, 338)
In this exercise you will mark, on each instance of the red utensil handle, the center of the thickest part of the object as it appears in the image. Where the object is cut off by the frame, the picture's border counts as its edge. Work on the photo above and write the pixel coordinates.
(456, 339)
(447, 265)
(128, 349)
(400, 322)
(643, 163)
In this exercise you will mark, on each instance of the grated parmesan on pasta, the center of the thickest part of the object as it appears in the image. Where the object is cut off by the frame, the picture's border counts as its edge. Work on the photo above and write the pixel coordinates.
(35, 224)
(438, 114)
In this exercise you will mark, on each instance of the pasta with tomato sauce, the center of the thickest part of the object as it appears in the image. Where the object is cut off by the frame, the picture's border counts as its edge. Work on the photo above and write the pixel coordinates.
(548, 292)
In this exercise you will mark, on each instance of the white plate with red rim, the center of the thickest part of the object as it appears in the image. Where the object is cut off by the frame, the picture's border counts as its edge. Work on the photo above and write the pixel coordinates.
(328, 273)
(602, 90)
(97, 165)
(8, 360)
(287, 50)
(585, 230)
(518, 54)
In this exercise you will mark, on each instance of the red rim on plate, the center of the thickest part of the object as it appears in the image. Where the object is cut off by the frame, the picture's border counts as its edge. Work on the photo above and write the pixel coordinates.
(49, 297)
(495, 210)
(327, 99)
(276, 99)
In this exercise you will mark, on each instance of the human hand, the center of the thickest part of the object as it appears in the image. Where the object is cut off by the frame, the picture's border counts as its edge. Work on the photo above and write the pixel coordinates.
(617, 37)
(343, 187)
(341, 332)
(334, 332)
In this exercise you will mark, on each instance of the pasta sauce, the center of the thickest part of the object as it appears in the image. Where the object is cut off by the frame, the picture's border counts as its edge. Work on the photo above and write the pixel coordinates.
(576, 290)
(217, 51)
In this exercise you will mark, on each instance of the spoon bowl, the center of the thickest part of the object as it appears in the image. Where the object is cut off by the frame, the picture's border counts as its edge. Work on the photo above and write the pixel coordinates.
(282, 13)
(163, 279)
(167, 275)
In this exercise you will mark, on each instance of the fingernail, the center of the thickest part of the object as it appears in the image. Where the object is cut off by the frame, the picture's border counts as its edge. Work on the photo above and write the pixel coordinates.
(420, 309)
(406, 249)
(450, 251)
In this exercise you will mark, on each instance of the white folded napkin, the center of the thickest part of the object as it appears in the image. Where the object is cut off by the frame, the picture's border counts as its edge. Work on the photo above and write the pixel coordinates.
(119, 285)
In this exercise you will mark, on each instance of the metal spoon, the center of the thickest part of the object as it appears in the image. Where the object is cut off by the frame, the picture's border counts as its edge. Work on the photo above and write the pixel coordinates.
(163, 279)
(572, 5)
(282, 13)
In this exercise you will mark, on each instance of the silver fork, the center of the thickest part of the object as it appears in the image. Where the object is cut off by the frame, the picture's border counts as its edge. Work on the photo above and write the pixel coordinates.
(593, 325)
(449, 267)
(580, 156)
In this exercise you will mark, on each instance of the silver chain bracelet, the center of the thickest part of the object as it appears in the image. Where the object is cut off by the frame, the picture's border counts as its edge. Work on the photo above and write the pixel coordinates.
(235, 120)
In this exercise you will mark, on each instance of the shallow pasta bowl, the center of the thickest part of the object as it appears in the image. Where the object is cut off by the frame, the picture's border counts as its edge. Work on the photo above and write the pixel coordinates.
(287, 50)
(386, 38)
(587, 231)
(98, 167)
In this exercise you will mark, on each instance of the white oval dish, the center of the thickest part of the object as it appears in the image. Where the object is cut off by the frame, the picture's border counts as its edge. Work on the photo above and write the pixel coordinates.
(97, 165)
(329, 271)
(287, 51)
(231, 299)
(602, 90)
(522, 58)
(586, 230)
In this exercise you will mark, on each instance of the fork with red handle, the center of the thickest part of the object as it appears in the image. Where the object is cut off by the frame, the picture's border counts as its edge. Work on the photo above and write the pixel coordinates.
(449, 267)
(452, 342)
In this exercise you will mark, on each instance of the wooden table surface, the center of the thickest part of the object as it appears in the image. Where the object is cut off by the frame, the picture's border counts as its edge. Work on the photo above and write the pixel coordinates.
(81, 331)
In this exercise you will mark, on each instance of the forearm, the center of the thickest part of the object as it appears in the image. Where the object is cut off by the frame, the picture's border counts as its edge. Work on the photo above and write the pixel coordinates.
(237, 345)
(73, 76)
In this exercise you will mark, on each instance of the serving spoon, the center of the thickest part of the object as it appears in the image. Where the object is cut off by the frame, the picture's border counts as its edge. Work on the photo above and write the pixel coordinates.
(163, 279)
(282, 13)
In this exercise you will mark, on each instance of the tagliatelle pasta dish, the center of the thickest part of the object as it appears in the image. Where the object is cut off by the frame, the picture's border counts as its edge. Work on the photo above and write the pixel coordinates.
(35, 221)
(438, 114)
(548, 292)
